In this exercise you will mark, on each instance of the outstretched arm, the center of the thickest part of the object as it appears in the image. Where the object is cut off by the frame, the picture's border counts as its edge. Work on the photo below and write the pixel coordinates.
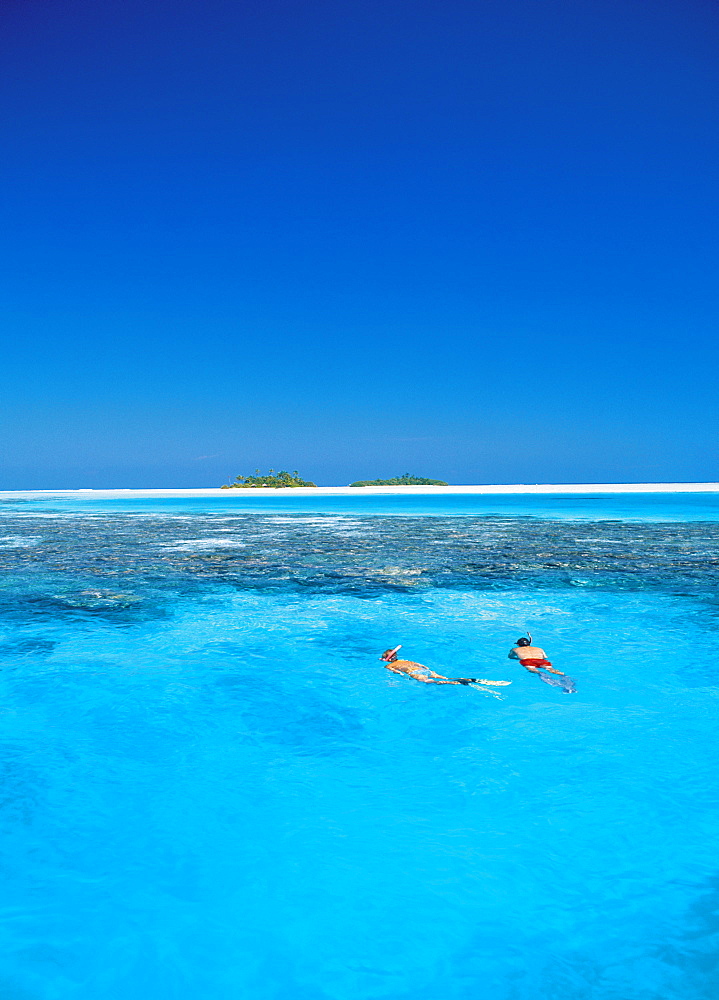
(513, 654)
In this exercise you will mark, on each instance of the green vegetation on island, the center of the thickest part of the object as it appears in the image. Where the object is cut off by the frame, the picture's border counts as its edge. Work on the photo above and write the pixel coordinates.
(405, 480)
(275, 480)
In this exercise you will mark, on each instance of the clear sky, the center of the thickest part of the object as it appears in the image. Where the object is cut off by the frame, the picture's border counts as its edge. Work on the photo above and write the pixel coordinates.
(470, 239)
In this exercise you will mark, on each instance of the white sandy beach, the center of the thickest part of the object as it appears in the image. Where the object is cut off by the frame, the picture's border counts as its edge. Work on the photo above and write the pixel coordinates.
(505, 489)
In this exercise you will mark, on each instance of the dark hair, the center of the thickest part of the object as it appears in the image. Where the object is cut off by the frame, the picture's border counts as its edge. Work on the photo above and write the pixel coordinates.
(523, 642)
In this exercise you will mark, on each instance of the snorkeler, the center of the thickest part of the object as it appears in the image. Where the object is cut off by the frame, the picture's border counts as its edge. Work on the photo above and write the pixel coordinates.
(534, 659)
(421, 673)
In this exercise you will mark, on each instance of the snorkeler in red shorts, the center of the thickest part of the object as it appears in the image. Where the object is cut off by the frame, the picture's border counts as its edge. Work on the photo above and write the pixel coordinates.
(532, 657)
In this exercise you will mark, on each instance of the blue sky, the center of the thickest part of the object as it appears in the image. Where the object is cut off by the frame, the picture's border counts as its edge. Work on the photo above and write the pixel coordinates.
(470, 240)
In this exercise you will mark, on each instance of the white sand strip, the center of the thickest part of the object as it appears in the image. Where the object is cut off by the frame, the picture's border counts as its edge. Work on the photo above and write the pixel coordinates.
(536, 488)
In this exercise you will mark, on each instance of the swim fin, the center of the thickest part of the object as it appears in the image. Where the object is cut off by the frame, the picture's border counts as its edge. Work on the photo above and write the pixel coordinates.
(479, 680)
(560, 681)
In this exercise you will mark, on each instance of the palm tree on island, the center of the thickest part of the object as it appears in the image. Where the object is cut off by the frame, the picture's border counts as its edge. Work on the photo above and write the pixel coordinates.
(291, 480)
(275, 480)
(404, 480)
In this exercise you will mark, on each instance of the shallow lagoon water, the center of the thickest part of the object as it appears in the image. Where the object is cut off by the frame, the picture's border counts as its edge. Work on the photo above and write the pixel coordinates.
(592, 506)
(212, 788)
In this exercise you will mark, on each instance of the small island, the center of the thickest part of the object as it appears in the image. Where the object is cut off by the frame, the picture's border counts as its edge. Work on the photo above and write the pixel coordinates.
(404, 480)
(273, 480)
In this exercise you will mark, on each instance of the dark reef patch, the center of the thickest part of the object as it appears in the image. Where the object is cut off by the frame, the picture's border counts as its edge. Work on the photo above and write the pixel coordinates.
(124, 568)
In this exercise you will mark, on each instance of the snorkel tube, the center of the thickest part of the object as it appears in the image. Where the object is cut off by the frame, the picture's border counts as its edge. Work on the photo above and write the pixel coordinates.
(390, 654)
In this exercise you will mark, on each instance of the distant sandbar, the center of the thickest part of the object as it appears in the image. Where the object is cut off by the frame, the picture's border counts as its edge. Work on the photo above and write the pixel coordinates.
(502, 489)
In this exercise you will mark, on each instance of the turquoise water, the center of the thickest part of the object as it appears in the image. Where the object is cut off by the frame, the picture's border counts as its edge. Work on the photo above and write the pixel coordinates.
(212, 788)
(598, 506)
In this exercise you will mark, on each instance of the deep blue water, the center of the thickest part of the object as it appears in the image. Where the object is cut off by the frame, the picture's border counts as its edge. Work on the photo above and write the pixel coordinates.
(213, 790)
